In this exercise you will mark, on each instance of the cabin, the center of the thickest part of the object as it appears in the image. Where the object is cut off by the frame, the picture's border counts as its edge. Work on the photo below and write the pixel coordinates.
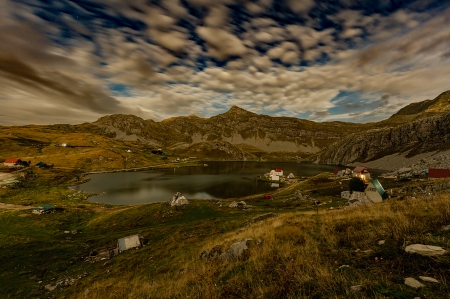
(434, 173)
(274, 177)
(44, 209)
(375, 191)
(278, 172)
(12, 162)
(362, 172)
(130, 242)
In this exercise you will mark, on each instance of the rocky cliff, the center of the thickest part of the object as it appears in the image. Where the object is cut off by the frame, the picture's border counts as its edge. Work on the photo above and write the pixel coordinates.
(425, 129)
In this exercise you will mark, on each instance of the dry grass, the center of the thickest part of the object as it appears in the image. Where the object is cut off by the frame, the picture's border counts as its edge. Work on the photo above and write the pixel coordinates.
(300, 258)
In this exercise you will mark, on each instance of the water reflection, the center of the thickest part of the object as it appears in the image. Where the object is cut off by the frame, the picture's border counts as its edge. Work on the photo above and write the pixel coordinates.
(218, 180)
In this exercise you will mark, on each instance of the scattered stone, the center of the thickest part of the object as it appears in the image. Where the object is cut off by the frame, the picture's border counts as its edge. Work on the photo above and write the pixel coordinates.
(178, 200)
(425, 250)
(414, 283)
(67, 232)
(233, 205)
(264, 217)
(356, 288)
(428, 279)
(381, 242)
(237, 251)
(446, 227)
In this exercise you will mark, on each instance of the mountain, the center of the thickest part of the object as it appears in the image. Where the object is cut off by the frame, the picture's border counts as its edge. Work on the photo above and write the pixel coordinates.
(417, 128)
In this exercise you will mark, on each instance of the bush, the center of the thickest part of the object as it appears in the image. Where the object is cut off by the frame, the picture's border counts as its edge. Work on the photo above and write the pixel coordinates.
(356, 184)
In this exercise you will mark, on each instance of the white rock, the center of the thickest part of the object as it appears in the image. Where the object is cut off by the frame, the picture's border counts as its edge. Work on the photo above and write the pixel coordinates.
(414, 283)
(236, 251)
(446, 227)
(233, 204)
(426, 250)
(356, 288)
(381, 242)
(428, 279)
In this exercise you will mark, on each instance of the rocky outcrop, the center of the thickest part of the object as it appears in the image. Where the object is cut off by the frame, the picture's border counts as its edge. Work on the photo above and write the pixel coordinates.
(419, 136)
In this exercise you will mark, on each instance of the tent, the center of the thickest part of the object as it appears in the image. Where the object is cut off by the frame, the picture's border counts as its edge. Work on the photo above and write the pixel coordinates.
(129, 242)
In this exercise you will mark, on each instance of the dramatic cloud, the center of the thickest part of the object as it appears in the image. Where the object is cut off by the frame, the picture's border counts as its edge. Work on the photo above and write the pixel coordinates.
(69, 61)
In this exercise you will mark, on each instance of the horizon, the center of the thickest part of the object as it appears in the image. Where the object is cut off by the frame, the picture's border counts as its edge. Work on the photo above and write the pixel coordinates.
(323, 61)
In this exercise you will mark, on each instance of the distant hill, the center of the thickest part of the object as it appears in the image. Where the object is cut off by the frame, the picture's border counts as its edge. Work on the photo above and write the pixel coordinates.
(239, 135)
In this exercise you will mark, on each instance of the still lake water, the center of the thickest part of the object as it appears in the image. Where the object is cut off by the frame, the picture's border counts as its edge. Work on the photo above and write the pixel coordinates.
(219, 180)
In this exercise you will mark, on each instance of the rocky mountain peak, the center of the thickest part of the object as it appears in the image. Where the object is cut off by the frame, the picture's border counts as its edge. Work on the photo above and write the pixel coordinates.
(238, 110)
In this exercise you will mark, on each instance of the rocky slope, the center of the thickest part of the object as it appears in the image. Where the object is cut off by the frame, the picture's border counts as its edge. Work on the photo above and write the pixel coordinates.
(423, 127)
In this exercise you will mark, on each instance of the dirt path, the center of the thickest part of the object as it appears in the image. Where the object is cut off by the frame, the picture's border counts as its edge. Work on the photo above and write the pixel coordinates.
(8, 206)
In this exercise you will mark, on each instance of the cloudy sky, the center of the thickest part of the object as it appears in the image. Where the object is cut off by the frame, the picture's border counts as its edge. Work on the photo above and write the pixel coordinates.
(72, 61)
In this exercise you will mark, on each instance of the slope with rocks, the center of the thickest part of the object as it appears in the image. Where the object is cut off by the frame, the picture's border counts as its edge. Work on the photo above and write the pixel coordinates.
(418, 128)
(238, 126)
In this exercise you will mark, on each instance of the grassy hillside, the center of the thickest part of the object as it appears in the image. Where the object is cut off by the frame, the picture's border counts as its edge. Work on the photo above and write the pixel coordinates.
(297, 254)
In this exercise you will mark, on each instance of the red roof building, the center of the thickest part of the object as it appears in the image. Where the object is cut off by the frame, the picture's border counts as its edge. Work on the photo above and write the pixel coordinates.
(335, 172)
(12, 162)
(361, 169)
(279, 170)
(438, 173)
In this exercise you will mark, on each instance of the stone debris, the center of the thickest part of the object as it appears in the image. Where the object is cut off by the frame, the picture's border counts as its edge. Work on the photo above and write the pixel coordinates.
(446, 227)
(428, 279)
(63, 282)
(356, 288)
(299, 196)
(414, 283)
(178, 200)
(237, 251)
(425, 250)
(381, 242)
(240, 204)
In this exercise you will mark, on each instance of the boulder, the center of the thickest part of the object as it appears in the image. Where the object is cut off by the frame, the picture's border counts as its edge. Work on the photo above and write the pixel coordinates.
(237, 251)
(178, 200)
(414, 283)
(426, 250)
(428, 279)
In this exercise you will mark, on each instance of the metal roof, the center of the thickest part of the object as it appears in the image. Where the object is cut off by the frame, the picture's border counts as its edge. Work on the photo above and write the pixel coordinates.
(438, 173)
(379, 188)
(360, 169)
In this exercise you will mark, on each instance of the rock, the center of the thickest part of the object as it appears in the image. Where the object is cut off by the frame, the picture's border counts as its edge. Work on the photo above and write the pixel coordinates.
(233, 205)
(241, 203)
(428, 279)
(446, 227)
(356, 288)
(299, 196)
(178, 200)
(414, 283)
(264, 217)
(342, 267)
(237, 251)
(426, 250)
(381, 242)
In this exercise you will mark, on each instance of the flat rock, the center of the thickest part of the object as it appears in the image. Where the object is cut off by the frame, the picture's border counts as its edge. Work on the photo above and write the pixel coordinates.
(426, 250)
(428, 279)
(237, 251)
(446, 227)
(381, 242)
(233, 205)
(356, 288)
(414, 283)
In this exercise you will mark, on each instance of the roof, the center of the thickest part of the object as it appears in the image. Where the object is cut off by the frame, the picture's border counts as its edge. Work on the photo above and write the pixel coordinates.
(379, 188)
(335, 171)
(278, 170)
(12, 160)
(360, 169)
(45, 207)
(438, 173)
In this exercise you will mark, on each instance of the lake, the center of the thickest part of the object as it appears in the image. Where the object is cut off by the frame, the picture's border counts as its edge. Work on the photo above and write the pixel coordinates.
(218, 180)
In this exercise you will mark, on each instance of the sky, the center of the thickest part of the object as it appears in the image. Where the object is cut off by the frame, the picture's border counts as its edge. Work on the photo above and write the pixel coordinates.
(73, 61)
